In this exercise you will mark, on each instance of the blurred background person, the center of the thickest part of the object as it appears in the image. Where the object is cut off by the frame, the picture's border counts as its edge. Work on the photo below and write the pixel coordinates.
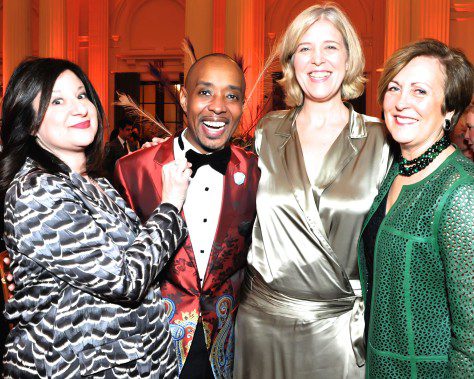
(460, 134)
(86, 301)
(469, 121)
(118, 147)
(417, 247)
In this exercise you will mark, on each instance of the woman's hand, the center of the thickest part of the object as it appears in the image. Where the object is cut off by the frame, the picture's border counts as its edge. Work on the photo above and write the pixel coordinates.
(9, 277)
(155, 141)
(175, 176)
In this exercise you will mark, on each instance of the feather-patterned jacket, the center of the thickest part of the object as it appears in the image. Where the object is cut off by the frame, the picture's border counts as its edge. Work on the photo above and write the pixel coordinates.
(86, 300)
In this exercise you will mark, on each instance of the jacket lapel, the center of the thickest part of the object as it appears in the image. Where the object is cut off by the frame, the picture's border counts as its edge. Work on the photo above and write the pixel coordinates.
(294, 166)
(230, 203)
(163, 156)
(342, 151)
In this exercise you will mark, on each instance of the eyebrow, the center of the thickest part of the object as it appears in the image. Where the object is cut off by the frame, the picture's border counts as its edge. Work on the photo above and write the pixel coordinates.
(58, 91)
(325, 41)
(209, 84)
(412, 84)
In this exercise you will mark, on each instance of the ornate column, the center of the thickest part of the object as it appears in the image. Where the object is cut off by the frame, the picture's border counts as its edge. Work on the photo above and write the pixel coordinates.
(99, 48)
(397, 25)
(16, 35)
(52, 28)
(245, 36)
(219, 26)
(198, 26)
(72, 32)
(430, 19)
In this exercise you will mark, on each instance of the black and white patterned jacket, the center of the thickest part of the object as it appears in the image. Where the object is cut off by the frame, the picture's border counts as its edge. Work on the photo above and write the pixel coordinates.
(86, 302)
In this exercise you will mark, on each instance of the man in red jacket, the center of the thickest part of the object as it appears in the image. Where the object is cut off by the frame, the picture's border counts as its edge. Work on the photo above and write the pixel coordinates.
(200, 286)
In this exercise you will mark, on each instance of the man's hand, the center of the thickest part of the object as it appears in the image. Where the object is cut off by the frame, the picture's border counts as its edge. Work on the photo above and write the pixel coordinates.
(176, 176)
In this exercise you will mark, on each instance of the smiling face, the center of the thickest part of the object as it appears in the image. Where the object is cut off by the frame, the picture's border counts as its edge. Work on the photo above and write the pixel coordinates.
(320, 62)
(469, 134)
(412, 105)
(213, 102)
(70, 122)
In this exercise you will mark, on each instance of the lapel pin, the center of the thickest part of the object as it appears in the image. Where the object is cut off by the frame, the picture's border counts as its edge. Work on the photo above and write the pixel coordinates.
(239, 178)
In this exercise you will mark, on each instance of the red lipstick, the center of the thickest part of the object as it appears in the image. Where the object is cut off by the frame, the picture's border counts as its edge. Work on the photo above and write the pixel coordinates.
(82, 125)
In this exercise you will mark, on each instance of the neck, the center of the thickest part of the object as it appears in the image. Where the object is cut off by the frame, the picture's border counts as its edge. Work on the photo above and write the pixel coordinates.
(320, 115)
(75, 160)
(198, 147)
(412, 152)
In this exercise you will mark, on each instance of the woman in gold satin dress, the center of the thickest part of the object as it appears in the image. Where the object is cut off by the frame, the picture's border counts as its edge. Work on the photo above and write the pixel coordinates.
(301, 314)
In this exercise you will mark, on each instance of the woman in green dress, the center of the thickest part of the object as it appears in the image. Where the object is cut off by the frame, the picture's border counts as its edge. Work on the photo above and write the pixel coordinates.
(416, 250)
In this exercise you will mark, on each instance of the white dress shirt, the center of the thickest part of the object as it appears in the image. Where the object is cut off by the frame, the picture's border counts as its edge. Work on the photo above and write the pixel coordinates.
(202, 207)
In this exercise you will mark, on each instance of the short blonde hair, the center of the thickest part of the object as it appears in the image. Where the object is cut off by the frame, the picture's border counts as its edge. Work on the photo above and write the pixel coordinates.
(353, 83)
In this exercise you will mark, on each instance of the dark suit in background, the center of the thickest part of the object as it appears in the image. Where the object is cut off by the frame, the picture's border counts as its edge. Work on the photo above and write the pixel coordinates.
(114, 150)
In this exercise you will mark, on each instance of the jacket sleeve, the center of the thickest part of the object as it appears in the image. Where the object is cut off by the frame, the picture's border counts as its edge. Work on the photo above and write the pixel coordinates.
(456, 244)
(54, 229)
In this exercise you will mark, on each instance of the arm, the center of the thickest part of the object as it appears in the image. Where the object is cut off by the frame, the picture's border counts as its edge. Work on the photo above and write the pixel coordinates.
(456, 245)
(54, 228)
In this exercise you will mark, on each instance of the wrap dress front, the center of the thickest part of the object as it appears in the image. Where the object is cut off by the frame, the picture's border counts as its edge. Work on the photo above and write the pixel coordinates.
(301, 314)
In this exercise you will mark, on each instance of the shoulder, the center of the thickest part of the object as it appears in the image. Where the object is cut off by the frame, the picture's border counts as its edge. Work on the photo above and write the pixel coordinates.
(273, 119)
(457, 181)
(139, 157)
(464, 165)
(373, 125)
(243, 154)
(112, 144)
(36, 186)
(371, 128)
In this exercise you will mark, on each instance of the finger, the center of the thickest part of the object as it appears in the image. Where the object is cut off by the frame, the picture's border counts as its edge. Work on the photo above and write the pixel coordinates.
(6, 260)
(187, 174)
(11, 287)
(181, 164)
(9, 277)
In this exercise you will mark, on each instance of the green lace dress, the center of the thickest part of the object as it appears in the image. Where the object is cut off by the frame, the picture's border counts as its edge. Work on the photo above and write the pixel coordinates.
(422, 304)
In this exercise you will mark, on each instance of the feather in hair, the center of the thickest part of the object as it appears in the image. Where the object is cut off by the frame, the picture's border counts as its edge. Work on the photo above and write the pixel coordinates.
(132, 109)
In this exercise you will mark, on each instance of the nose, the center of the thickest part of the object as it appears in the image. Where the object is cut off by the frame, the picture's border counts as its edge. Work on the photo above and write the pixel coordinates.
(217, 104)
(469, 135)
(318, 57)
(402, 100)
(79, 108)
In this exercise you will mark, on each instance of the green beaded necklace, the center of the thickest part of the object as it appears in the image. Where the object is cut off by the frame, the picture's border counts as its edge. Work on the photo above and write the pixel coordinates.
(408, 168)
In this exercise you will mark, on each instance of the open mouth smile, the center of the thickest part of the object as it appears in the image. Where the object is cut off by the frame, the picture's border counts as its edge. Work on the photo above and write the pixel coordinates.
(318, 75)
(404, 120)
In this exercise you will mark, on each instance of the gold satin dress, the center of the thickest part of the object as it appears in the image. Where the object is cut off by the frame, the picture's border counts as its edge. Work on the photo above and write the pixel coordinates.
(301, 314)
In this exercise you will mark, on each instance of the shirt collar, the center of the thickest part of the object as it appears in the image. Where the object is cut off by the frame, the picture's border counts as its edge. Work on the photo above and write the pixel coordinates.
(121, 140)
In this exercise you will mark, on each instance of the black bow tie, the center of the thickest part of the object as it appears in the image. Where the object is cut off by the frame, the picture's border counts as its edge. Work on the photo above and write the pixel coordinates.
(217, 160)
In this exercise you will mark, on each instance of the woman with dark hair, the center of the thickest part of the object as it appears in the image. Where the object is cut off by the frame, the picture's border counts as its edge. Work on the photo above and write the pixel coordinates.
(86, 301)
(417, 247)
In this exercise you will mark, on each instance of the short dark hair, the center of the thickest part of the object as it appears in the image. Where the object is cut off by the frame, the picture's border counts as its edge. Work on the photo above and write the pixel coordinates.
(213, 55)
(122, 124)
(21, 121)
(458, 73)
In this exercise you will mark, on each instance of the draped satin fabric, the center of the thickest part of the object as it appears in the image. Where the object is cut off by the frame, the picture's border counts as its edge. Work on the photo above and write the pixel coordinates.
(300, 317)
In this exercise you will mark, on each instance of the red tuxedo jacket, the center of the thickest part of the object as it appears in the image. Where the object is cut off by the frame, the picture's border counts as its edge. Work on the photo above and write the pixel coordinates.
(138, 178)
